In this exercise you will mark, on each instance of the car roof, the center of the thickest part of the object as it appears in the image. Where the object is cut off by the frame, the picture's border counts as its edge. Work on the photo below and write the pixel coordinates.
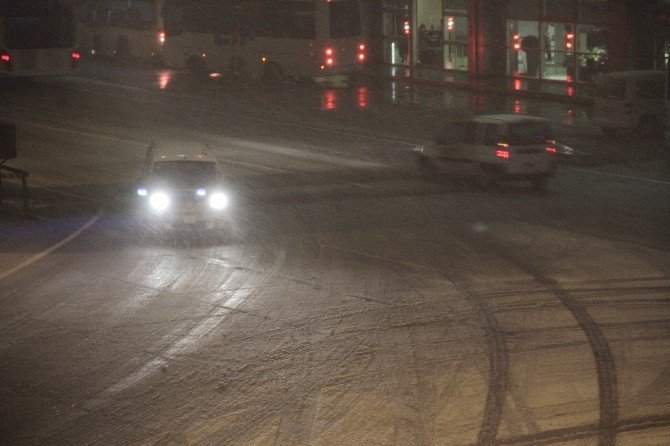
(182, 151)
(506, 119)
(635, 74)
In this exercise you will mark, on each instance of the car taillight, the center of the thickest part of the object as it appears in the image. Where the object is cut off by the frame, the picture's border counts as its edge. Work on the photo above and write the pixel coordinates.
(503, 150)
(329, 59)
(551, 149)
(361, 53)
(6, 59)
(75, 56)
(162, 35)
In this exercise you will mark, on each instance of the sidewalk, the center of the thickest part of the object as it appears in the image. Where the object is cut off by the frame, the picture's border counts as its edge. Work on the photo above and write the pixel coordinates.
(576, 93)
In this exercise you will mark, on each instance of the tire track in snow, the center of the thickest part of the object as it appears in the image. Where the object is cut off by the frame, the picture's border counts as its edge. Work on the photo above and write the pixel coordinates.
(602, 354)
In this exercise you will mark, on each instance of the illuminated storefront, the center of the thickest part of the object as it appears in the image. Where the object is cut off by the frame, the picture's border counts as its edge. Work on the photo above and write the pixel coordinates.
(552, 40)
(396, 41)
(562, 40)
(439, 33)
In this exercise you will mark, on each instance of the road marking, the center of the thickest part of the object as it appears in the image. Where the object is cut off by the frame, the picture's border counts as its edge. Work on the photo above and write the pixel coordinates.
(628, 177)
(180, 347)
(48, 251)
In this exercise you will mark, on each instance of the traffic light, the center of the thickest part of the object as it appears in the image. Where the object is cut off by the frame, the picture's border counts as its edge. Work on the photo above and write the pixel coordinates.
(569, 41)
(406, 27)
(516, 43)
(450, 23)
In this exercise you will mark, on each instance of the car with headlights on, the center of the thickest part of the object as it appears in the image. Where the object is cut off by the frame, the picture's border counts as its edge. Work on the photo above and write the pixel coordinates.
(182, 187)
(489, 148)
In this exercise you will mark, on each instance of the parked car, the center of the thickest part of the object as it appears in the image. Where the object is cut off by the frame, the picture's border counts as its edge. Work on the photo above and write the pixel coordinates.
(632, 100)
(491, 148)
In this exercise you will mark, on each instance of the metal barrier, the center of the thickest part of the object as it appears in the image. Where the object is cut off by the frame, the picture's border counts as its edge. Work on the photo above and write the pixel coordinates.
(7, 152)
(11, 173)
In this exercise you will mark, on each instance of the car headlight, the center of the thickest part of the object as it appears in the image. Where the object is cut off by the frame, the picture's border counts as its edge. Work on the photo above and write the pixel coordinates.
(218, 201)
(159, 201)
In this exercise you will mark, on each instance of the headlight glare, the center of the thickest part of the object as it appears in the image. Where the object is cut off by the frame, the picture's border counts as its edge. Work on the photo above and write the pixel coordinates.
(218, 201)
(159, 201)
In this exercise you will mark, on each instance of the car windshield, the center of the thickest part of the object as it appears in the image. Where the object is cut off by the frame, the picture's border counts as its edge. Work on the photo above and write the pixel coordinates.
(184, 174)
(334, 222)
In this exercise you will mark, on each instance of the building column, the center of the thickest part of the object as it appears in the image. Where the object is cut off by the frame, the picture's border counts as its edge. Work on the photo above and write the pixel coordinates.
(617, 38)
(487, 48)
(642, 31)
(475, 56)
(633, 32)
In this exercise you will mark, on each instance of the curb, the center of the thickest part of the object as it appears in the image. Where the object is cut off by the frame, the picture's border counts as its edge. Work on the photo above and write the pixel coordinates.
(577, 100)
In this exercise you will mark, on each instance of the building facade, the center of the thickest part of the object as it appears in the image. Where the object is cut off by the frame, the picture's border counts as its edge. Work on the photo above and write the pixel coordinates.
(553, 40)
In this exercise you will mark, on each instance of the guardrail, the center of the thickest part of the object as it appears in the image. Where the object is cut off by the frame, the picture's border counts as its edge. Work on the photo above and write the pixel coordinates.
(13, 173)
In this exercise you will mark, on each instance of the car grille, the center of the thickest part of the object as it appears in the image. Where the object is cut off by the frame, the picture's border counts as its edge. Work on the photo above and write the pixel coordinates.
(188, 201)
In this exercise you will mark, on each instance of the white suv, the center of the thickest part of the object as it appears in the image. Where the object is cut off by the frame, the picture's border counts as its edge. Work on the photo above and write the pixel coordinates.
(491, 148)
(182, 186)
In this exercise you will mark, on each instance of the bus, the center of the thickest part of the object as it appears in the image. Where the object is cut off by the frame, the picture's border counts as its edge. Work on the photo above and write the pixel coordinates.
(37, 37)
(251, 38)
